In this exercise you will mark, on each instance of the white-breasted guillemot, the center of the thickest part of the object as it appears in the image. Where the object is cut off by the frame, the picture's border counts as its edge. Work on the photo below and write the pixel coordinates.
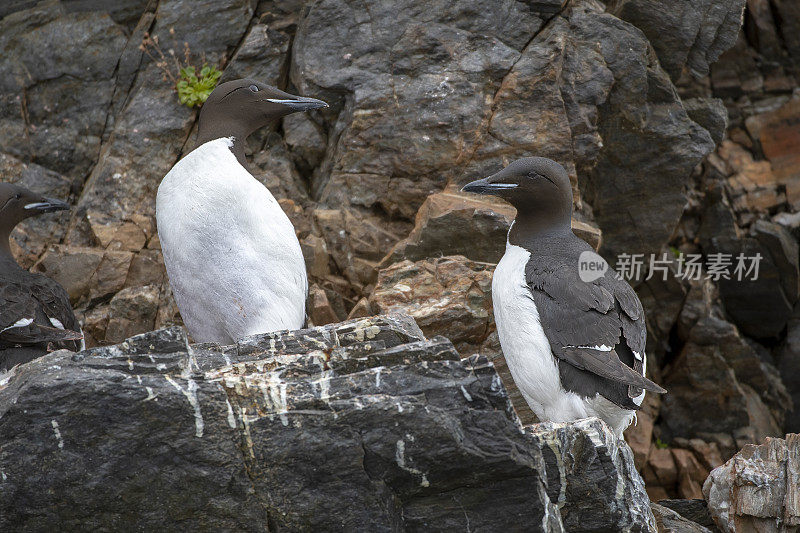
(233, 259)
(575, 348)
(35, 314)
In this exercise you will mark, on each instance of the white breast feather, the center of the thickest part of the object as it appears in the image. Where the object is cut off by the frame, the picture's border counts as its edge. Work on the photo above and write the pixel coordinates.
(528, 355)
(232, 256)
(525, 346)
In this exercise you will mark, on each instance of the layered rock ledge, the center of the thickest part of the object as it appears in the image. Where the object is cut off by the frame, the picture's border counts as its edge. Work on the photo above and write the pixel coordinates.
(362, 425)
(758, 489)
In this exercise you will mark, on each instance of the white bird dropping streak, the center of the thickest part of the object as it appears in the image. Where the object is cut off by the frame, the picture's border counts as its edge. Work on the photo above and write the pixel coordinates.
(57, 433)
(191, 395)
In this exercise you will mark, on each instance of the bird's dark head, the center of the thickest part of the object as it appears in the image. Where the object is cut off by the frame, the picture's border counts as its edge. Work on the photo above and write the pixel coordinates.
(238, 108)
(18, 203)
(538, 187)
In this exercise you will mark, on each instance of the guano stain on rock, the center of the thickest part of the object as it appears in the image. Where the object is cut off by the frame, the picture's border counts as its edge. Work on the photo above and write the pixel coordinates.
(394, 422)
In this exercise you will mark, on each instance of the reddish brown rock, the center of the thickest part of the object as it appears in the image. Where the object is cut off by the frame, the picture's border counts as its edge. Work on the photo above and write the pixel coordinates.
(690, 474)
(131, 311)
(588, 232)
(168, 313)
(753, 184)
(454, 223)
(688, 488)
(779, 134)
(657, 493)
(72, 267)
(450, 296)
(356, 242)
(147, 268)
(297, 215)
(639, 437)
(319, 309)
(315, 253)
(639, 434)
(361, 309)
(95, 323)
(662, 464)
(111, 235)
(110, 275)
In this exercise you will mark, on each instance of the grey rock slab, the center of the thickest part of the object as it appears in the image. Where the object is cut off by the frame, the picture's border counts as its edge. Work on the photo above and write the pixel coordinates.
(694, 510)
(592, 478)
(58, 81)
(685, 34)
(380, 430)
(757, 489)
(638, 114)
(710, 113)
(668, 521)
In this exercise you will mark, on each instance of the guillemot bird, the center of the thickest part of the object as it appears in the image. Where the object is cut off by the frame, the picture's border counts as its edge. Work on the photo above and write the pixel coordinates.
(232, 256)
(574, 348)
(35, 313)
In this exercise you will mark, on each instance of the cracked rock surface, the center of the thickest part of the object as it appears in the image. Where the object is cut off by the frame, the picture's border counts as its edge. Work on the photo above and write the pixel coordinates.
(361, 425)
(424, 98)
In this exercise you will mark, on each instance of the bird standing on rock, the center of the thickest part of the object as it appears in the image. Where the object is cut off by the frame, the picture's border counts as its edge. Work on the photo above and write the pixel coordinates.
(575, 348)
(232, 255)
(35, 313)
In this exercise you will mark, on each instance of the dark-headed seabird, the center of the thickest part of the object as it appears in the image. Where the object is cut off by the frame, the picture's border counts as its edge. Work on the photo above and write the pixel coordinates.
(35, 313)
(575, 348)
(232, 256)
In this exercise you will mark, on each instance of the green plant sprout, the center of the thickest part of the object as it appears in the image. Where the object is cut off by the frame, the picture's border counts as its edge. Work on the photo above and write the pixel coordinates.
(193, 88)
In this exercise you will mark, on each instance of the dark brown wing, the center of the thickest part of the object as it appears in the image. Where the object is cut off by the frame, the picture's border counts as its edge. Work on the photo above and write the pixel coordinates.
(597, 328)
(27, 307)
(54, 301)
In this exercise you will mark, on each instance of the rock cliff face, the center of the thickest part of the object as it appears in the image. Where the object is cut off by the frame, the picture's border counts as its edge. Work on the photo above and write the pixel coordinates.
(422, 100)
(360, 425)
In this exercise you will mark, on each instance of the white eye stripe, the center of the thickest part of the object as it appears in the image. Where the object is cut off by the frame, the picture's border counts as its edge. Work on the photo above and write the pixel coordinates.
(279, 101)
(35, 205)
(504, 185)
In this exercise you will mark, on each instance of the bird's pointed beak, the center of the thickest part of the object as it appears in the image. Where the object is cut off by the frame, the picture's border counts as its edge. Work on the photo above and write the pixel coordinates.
(47, 205)
(299, 103)
(486, 186)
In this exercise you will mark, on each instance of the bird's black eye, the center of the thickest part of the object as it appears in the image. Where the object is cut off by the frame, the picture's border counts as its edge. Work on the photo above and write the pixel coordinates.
(17, 196)
(254, 88)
